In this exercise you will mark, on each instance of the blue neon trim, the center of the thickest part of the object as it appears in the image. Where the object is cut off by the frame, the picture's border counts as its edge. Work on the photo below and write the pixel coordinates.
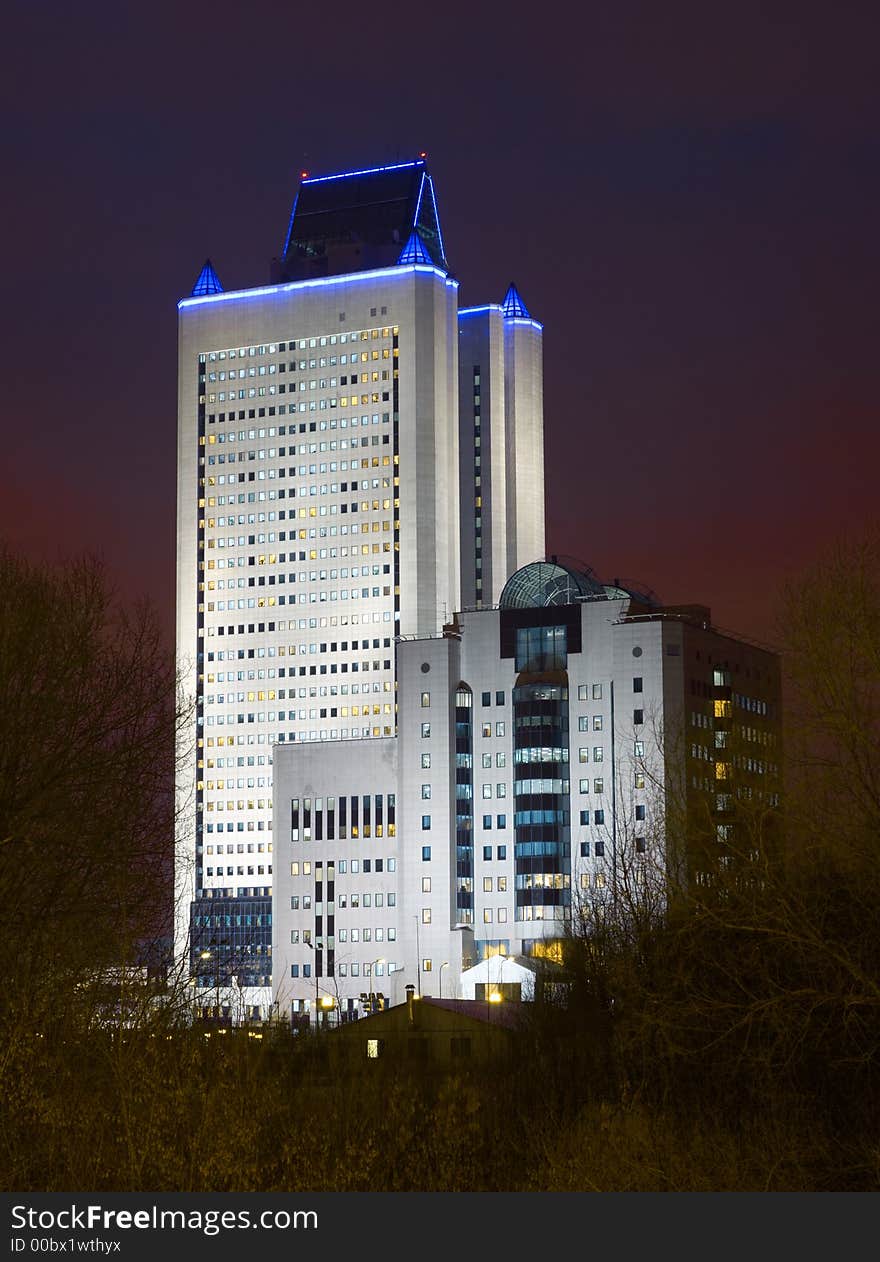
(521, 320)
(492, 306)
(437, 219)
(344, 175)
(418, 202)
(290, 226)
(318, 282)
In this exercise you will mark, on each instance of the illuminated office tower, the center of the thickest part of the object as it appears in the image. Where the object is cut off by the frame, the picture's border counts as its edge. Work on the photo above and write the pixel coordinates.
(321, 518)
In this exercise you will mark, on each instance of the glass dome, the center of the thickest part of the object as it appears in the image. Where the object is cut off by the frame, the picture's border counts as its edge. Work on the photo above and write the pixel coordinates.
(549, 583)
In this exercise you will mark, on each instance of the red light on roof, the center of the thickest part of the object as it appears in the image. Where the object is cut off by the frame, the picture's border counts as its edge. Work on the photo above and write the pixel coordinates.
(303, 175)
(423, 154)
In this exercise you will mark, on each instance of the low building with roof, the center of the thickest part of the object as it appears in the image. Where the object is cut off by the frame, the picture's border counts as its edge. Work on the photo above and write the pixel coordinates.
(426, 1033)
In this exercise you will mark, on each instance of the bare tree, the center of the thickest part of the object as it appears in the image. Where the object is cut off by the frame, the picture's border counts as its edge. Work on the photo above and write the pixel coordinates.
(87, 726)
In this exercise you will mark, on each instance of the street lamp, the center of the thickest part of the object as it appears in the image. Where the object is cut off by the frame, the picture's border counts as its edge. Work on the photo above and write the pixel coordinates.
(445, 964)
(373, 999)
(207, 954)
(308, 943)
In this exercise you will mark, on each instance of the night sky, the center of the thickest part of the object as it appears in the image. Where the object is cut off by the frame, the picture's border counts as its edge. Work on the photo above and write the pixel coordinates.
(687, 196)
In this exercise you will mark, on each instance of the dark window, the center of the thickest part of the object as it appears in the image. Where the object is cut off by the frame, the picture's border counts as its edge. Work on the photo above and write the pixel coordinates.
(638, 717)
(637, 683)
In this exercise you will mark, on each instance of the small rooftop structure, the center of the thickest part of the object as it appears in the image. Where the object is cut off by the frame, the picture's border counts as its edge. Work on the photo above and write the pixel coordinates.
(208, 282)
(360, 220)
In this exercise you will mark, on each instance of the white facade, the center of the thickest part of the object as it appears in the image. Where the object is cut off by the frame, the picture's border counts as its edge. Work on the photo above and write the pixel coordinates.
(501, 449)
(318, 522)
(622, 687)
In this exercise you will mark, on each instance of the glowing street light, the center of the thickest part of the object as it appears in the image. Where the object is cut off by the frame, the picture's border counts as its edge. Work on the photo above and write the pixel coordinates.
(373, 999)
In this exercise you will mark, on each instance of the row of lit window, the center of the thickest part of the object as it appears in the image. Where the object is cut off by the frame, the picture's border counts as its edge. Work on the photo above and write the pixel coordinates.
(341, 867)
(344, 620)
(234, 720)
(240, 848)
(304, 427)
(303, 343)
(345, 902)
(241, 870)
(333, 690)
(303, 365)
(261, 392)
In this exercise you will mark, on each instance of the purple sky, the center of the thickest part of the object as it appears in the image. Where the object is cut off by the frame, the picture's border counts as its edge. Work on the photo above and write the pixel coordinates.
(688, 197)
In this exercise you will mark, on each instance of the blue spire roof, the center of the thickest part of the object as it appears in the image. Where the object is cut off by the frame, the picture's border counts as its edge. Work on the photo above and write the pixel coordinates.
(207, 283)
(415, 251)
(513, 304)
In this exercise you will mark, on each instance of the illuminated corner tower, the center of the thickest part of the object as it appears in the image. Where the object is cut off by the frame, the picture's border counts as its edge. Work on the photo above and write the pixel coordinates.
(318, 523)
(501, 445)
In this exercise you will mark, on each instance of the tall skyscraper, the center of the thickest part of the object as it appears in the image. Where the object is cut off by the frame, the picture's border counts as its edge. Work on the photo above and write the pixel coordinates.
(347, 477)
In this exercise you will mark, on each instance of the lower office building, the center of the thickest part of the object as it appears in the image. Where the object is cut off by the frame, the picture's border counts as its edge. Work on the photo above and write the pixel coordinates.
(540, 747)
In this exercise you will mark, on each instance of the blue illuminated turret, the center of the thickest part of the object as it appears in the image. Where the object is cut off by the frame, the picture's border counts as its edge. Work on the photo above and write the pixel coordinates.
(207, 283)
(415, 251)
(513, 305)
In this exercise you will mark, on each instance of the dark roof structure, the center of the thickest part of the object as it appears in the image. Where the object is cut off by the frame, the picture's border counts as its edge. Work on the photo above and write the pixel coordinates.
(362, 220)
